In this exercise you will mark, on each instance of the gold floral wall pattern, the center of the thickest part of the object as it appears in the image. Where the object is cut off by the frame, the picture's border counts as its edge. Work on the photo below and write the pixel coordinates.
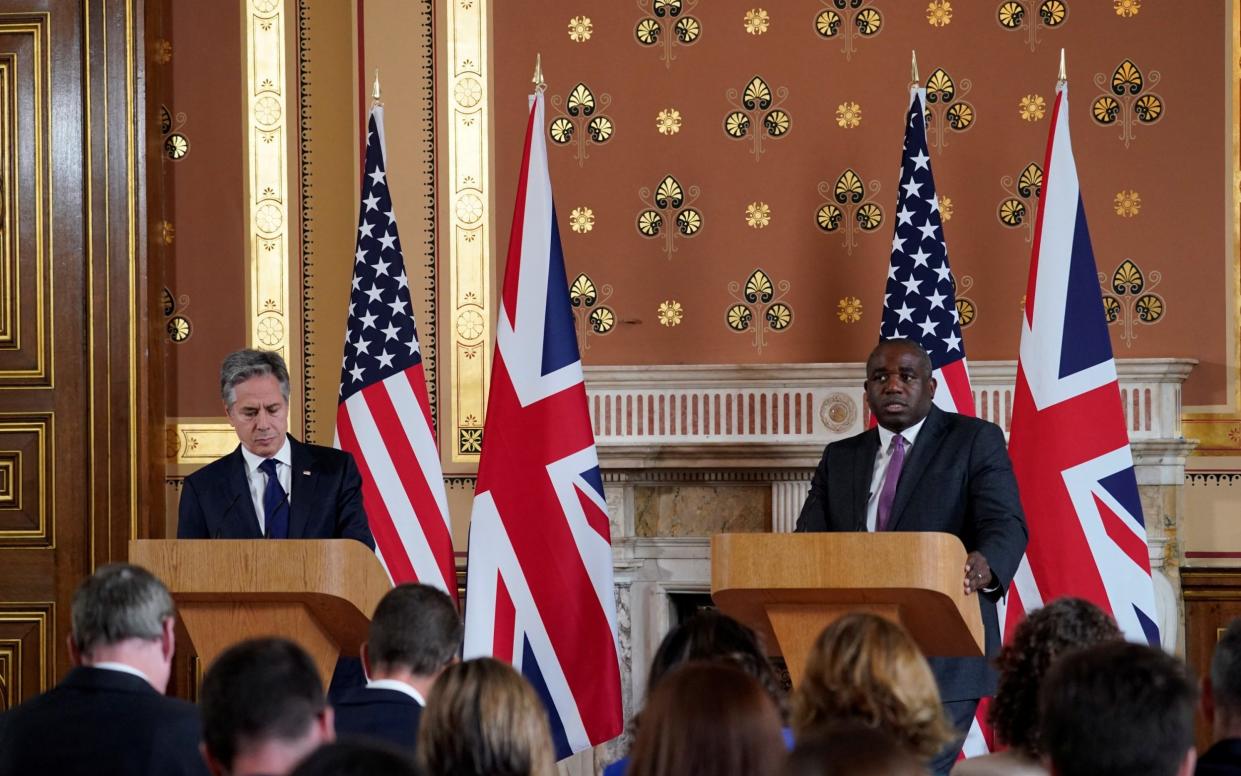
(667, 25)
(851, 208)
(176, 144)
(1127, 100)
(1031, 17)
(590, 310)
(1129, 299)
(1020, 208)
(759, 308)
(848, 21)
(669, 213)
(757, 114)
(947, 112)
(581, 121)
(966, 307)
(177, 324)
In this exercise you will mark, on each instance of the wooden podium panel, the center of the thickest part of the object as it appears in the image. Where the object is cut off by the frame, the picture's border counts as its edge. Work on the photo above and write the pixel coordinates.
(319, 593)
(789, 587)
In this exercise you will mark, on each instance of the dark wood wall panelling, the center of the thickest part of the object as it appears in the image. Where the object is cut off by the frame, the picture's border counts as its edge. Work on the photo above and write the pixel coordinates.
(76, 418)
(1212, 600)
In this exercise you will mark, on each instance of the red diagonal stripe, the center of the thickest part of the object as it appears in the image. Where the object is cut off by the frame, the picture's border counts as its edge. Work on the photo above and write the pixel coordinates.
(511, 274)
(504, 633)
(1120, 533)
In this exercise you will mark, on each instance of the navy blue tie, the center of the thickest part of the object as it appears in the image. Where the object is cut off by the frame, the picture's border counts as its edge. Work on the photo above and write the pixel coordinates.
(275, 503)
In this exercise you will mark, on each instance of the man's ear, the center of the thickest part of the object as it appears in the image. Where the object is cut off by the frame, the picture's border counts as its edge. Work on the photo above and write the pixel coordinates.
(168, 638)
(1187, 765)
(366, 659)
(327, 725)
(934, 385)
(75, 656)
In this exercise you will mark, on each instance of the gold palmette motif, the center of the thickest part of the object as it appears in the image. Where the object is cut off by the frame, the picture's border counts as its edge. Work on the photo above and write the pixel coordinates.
(849, 208)
(1129, 299)
(1126, 99)
(759, 308)
(1020, 207)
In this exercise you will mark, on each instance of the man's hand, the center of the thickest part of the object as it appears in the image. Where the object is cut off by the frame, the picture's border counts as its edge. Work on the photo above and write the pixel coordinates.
(977, 573)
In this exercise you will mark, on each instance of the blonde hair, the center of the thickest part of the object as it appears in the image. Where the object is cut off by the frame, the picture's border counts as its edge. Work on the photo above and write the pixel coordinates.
(484, 719)
(867, 669)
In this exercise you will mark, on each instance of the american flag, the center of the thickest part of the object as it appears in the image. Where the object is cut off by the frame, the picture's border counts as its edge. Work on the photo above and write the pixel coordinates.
(384, 416)
(1069, 443)
(539, 592)
(919, 301)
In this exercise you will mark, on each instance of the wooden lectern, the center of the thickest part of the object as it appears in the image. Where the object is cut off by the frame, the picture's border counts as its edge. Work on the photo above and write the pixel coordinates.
(319, 593)
(789, 587)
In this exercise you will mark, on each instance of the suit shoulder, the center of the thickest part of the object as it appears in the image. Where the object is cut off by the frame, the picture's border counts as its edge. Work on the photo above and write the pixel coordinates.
(216, 470)
(970, 425)
(328, 455)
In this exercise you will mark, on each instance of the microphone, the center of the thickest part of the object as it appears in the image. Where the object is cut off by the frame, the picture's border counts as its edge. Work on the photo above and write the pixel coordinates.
(219, 524)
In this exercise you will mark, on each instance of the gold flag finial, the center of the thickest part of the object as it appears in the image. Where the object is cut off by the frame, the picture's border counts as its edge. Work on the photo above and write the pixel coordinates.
(913, 67)
(1064, 76)
(375, 87)
(539, 84)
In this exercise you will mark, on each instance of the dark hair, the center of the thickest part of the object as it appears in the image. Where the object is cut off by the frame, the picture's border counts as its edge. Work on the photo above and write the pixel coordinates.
(255, 691)
(1115, 709)
(903, 342)
(711, 635)
(356, 758)
(415, 626)
(1041, 638)
(241, 365)
(1226, 669)
(119, 601)
(708, 717)
(484, 719)
(852, 749)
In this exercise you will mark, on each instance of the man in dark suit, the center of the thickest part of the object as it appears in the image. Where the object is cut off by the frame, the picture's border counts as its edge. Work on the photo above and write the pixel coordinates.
(923, 469)
(415, 634)
(1221, 707)
(109, 715)
(271, 485)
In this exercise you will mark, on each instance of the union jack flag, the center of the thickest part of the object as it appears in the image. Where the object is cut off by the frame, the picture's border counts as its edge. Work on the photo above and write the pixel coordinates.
(384, 416)
(919, 301)
(1069, 443)
(539, 592)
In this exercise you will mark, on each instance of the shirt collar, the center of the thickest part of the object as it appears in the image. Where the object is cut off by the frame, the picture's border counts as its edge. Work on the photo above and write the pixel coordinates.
(284, 455)
(910, 434)
(123, 668)
(399, 686)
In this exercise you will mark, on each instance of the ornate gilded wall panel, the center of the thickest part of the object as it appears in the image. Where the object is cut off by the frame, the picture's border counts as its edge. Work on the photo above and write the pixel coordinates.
(469, 225)
(26, 471)
(25, 202)
(25, 651)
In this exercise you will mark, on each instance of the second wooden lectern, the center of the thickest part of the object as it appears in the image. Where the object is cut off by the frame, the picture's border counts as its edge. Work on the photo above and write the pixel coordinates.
(319, 593)
(789, 587)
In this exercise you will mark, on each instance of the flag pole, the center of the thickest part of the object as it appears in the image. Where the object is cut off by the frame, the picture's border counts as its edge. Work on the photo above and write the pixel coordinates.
(540, 85)
(375, 90)
(913, 67)
(1064, 77)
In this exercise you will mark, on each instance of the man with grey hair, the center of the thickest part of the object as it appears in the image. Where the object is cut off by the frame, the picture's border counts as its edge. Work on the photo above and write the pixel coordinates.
(272, 485)
(109, 714)
(1221, 706)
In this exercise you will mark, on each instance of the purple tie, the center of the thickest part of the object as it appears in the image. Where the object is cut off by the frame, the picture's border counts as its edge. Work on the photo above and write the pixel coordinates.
(887, 494)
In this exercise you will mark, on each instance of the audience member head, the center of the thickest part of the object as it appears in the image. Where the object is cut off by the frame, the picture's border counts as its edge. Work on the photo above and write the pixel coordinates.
(414, 634)
(852, 749)
(1041, 638)
(484, 719)
(866, 669)
(356, 758)
(123, 614)
(1116, 709)
(263, 708)
(712, 635)
(711, 718)
(1221, 689)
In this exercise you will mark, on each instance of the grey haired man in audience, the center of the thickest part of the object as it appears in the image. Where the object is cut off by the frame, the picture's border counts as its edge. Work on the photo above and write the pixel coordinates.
(1221, 706)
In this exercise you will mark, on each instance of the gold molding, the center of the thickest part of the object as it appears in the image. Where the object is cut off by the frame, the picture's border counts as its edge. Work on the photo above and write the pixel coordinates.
(269, 308)
(1219, 433)
(13, 613)
(469, 222)
(40, 375)
(41, 504)
(198, 441)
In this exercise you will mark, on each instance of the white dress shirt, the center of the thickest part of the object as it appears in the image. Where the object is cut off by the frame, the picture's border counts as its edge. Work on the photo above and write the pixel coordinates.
(882, 458)
(258, 478)
(399, 686)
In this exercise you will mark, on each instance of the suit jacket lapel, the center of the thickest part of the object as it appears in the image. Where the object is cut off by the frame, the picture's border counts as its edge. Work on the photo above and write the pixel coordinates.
(304, 481)
(242, 510)
(863, 471)
(924, 449)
